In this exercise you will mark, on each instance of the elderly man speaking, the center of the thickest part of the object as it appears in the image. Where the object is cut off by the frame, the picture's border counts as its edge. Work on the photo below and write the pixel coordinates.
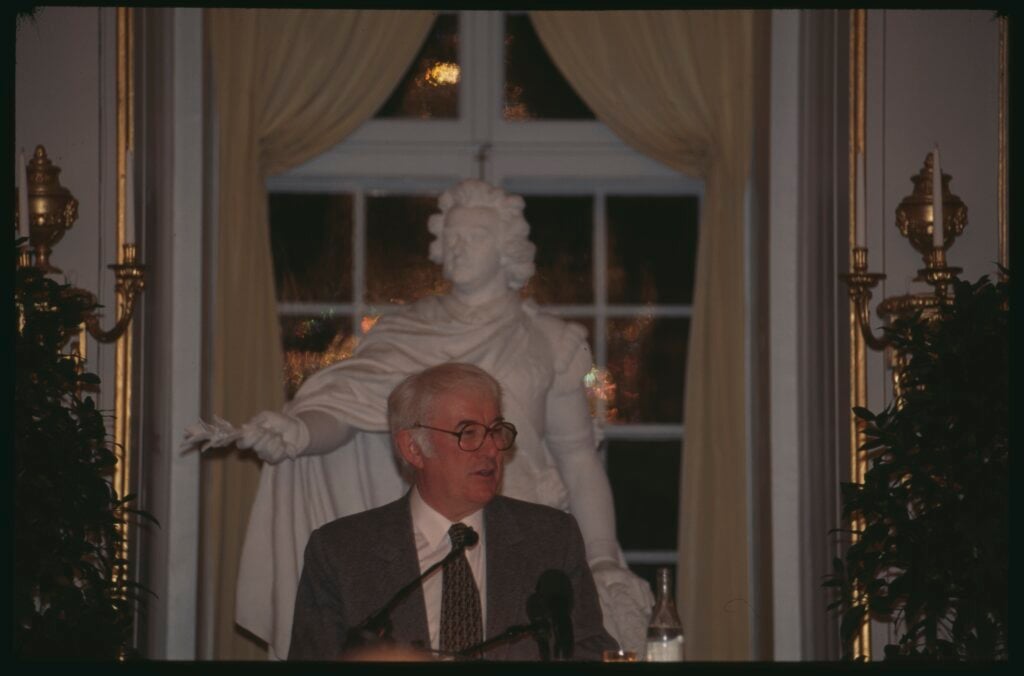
(447, 429)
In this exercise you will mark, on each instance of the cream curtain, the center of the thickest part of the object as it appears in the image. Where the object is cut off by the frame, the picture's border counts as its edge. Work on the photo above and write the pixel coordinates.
(289, 84)
(677, 86)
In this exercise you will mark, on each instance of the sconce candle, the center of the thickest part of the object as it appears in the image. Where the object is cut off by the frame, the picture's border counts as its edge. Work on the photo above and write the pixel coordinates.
(937, 221)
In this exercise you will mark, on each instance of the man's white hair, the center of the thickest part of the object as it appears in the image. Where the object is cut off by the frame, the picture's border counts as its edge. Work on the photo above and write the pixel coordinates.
(412, 401)
(514, 246)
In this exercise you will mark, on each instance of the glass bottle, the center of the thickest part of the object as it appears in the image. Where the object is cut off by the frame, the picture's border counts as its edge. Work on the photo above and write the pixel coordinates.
(665, 632)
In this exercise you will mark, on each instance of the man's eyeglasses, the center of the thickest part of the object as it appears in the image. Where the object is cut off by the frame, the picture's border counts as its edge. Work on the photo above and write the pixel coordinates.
(473, 435)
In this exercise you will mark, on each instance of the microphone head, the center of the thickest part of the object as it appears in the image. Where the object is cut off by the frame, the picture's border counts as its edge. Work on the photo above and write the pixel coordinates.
(462, 536)
(554, 590)
(536, 608)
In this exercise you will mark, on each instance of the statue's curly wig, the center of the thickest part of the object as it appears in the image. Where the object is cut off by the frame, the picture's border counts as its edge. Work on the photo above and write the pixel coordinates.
(514, 245)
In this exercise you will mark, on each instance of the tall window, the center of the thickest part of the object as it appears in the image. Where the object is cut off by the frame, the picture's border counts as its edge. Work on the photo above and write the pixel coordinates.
(616, 237)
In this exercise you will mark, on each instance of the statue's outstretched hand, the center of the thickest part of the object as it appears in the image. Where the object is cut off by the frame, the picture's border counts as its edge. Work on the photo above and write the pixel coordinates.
(626, 602)
(272, 436)
(204, 435)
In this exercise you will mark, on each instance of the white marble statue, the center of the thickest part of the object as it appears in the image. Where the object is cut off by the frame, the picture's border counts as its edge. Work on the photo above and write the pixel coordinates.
(327, 453)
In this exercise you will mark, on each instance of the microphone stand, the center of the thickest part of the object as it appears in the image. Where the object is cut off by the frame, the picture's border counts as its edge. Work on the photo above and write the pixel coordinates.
(377, 626)
(513, 632)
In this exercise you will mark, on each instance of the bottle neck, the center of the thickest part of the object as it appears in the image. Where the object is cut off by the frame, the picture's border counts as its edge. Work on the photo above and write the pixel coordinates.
(664, 613)
(664, 584)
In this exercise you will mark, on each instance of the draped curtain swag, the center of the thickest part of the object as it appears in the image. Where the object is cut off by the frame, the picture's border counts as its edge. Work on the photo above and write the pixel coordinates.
(289, 84)
(678, 86)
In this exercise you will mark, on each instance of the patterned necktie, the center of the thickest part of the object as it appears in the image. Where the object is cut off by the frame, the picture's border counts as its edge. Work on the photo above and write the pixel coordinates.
(461, 624)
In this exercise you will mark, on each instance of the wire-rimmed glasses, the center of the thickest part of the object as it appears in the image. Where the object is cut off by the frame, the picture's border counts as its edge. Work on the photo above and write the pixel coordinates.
(473, 435)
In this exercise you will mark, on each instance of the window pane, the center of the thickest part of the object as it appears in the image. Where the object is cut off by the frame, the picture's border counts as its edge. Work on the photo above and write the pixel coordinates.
(562, 229)
(645, 482)
(397, 242)
(534, 87)
(311, 243)
(311, 343)
(647, 364)
(430, 88)
(652, 249)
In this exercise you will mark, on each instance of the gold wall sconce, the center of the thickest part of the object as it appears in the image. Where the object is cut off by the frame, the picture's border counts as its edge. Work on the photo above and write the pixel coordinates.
(51, 211)
(915, 219)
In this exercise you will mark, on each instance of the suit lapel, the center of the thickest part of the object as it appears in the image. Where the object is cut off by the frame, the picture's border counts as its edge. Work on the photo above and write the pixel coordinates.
(508, 586)
(395, 552)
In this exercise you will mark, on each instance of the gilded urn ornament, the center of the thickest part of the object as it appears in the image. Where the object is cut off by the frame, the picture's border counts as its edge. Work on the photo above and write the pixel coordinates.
(915, 215)
(52, 210)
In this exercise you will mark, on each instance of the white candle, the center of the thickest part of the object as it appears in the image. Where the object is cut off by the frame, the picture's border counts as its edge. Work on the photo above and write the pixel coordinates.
(862, 203)
(25, 229)
(937, 236)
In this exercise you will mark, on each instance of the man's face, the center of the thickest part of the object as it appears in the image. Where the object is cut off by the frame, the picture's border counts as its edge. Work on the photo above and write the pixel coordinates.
(471, 256)
(455, 482)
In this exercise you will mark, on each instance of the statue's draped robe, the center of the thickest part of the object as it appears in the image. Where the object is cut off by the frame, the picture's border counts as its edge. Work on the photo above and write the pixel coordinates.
(531, 354)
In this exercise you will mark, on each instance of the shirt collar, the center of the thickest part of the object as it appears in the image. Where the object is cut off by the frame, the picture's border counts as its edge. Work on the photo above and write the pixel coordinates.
(433, 527)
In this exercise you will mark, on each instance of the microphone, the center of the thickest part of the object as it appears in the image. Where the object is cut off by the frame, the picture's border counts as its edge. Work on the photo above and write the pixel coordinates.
(469, 538)
(555, 592)
(549, 609)
(539, 628)
(377, 627)
(537, 611)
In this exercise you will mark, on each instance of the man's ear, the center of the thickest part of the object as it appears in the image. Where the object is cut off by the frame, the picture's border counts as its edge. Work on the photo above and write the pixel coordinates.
(409, 448)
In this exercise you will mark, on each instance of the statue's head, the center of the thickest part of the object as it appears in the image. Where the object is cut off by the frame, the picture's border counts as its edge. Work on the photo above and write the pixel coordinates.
(490, 222)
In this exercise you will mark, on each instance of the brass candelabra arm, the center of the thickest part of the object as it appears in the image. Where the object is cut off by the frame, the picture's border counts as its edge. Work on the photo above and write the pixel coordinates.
(938, 274)
(131, 281)
(860, 283)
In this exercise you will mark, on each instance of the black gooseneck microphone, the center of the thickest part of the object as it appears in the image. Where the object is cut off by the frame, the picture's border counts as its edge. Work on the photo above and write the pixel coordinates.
(549, 609)
(555, 592)
(536, 610)
(377, 627)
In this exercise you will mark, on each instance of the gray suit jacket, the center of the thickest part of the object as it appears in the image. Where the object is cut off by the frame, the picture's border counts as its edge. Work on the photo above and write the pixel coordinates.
(355, 564)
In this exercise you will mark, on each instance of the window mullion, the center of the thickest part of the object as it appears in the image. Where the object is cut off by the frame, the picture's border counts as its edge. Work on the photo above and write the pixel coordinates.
(649, 557)
(479, 67)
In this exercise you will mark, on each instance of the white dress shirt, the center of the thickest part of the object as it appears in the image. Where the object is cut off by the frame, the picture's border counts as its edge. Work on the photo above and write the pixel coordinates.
(432, 545)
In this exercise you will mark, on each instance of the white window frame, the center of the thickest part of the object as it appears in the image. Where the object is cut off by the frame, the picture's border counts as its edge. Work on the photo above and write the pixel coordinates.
(559, 157)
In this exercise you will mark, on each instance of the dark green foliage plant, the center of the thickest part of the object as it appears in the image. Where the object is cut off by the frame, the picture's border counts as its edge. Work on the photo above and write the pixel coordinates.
(932, 555)
(67, 603)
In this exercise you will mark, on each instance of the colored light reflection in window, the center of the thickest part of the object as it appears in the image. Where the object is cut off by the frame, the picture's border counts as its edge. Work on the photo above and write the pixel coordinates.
(368, 322)
(443, 73)
(430, 87)
(600, 388)
(311, 343)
